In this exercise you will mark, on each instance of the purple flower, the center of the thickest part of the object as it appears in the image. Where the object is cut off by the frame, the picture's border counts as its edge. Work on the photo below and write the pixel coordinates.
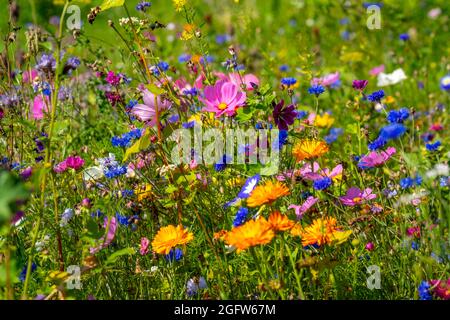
(283, 116)
(46, 64)
(359, 84)
(356, 196)
(112, 78)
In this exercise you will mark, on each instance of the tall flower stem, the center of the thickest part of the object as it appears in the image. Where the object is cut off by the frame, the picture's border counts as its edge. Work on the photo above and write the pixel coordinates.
(48, 151)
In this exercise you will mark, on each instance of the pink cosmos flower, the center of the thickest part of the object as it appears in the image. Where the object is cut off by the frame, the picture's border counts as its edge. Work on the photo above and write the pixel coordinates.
(144, 246)
(104, 242)
(357, 196)
(375, 71)
(326, 81)
(223, 98)
(301, 209)
(237, 79)
(316, 173)
(39, 106)
(29, 76)
(147, 111)
(375, 159)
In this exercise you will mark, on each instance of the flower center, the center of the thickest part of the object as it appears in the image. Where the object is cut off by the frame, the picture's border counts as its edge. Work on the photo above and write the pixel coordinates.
(222, 106)
(357, 199)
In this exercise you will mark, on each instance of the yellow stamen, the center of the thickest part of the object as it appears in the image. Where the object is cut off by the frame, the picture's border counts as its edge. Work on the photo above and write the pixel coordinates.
(222, 106)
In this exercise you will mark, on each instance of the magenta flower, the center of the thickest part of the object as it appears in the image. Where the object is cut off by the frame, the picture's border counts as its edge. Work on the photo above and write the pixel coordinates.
(74, 162)
(39, 106)
(326, 81)
(112, 78)
(375, 159)
(283, 116)
(441, 288)
(355, 196)
(249, 79)
(359, 84)
(223, 98)
(316, 173)
(60, 167)
(147, 111)
(375, 71)
(370, 246)
(104, 242)
(301, 209)
(29, 76)
(144, 246)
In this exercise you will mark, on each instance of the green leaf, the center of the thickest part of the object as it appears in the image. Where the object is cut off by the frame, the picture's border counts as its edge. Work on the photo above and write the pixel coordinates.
(154, 89)
(244, 114)
(107, 4)
(141, 144)
(113, 258)
(11, 189)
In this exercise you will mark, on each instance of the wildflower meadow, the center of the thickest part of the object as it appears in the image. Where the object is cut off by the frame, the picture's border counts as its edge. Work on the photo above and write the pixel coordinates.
(224, 150)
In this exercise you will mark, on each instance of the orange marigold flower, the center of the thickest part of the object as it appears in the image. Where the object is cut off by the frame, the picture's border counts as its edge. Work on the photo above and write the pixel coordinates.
(297, 230)
(309, 149)
(280, 222)
(323, 231)
(169, 237)
(251, 233)
(220, 235)
(267, 193)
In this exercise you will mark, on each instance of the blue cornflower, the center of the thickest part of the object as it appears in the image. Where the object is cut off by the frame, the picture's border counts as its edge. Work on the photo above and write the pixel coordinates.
(185, 57)
(164, 66)
(392, 131)
(316, 89)
(333, 135)
(125, 193)
(241, 216)
(322, 184)
(288, 81)
(23, 274)
(398, 116)
(415, 245)
(427, 137)
(424, 291)
(188, 125)
(174, 255)
(248, 186)
(284, 68)
(376, 144)
(345, 35)
(406, 183)
(444, 181)
(194, 285)
(222, 38)
(222, 164)
(376, 96)
(190, 92)
(123, 220)
(143, 5)
(404, 37)
(114, 172)
(418, 180)
(433, 146)
(301, 114)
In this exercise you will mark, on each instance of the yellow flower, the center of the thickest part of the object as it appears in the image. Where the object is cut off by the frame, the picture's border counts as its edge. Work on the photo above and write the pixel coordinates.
(296, 230)
(251, 233)
(324, 121)
(267, 193)
(169, 237)
(324, 231)
(143, 193)
(389, 100)
(309, 149)
(179, 4)
(280, 222)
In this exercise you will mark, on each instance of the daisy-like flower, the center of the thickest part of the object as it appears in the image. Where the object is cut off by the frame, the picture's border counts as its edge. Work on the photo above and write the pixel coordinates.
(356, 196)
(252, 233)
(267, 193)
(223, 98)
(375, 159)
(169, 237)
(324, 121)
(283, 116)
(147, 111)
(280, 222)
(324, 231)
(248, 186)
(301, 209)
(309, 149)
